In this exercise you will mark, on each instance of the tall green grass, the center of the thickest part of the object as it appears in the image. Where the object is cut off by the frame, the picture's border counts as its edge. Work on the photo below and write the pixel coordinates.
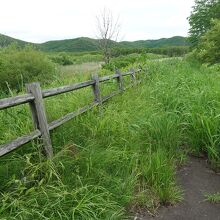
(116, 158)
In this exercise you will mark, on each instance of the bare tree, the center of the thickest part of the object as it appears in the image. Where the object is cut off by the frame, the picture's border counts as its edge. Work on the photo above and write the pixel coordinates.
(108, 29)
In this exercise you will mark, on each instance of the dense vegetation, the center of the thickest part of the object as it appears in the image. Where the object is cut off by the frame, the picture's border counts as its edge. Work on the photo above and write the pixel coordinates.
(201, 18)
(84, 44)
(6, 41)
(81, 44)
(64, 58)
(122, 156)
(208, 50)
(20, 66)
(163, 42)
(122, 61)
(205, 31)
(172, 51)
(119, 157)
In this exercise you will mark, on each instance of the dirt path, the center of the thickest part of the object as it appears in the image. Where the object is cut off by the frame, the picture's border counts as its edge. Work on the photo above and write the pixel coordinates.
(195, 179)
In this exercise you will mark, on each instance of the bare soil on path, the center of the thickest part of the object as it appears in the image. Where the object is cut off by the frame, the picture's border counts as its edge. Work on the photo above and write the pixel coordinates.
(196, 179)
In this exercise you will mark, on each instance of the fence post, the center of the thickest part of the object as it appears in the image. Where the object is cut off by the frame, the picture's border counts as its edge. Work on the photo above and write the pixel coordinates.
(133, 78)
(120, 80)
(96, 89)
(39, 116)
(140, 69)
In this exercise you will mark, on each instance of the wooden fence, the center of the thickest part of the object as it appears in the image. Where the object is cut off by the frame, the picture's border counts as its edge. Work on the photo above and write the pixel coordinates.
(35, 96)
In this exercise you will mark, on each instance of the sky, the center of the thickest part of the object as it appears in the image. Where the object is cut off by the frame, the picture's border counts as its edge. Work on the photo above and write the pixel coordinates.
(43, 20)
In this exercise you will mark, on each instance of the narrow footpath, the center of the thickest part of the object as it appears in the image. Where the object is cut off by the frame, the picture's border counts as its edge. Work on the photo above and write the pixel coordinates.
(196, 180)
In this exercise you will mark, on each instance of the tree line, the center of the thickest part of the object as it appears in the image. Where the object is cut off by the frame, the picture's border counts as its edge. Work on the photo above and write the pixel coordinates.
(204, 32)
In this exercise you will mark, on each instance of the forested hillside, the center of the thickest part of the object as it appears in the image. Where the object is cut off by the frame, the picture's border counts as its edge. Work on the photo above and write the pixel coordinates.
(6, 41)
(84, 44)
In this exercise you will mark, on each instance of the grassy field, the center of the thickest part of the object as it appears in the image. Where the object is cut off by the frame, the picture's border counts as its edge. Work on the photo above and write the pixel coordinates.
(84, 68)
(117, 158)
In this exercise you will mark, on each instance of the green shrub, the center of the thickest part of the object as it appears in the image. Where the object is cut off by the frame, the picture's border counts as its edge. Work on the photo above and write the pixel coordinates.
(171, 51)
(20, 66)
(65, 58)
(62, 59)
(208, 50)
(121, 62)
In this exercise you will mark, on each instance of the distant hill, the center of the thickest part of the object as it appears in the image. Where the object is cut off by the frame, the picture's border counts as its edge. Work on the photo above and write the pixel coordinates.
(6, 41)
(71, 45)
(88, 44)
(163, 42)
(84, 44)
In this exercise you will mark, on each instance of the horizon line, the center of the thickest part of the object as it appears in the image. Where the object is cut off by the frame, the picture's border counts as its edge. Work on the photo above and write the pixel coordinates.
(91, 38)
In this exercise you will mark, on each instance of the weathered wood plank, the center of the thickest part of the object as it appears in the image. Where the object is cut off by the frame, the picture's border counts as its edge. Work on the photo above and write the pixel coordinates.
(133, 78)
(7, 148)
(126, 74)
(96, 89)
(68, 88)
(17, 100)
(138, 76)
(106, 78)
(120, 80)
(70, 116)
(39, 117)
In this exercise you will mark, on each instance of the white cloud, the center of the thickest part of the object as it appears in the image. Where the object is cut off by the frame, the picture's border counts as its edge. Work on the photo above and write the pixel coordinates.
(42, 20)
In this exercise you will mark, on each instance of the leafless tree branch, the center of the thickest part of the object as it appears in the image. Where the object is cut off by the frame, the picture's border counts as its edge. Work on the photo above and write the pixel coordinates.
(108, 30)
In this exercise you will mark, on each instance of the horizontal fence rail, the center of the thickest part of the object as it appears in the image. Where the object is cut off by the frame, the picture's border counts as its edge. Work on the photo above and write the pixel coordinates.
(17, 100)
(65, 89)
(35, 96)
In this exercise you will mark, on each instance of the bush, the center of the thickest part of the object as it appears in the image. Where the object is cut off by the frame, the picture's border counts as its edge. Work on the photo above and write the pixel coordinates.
(171, 51)
(125, 61)
(65, 58)
(121, 62)
(62, 59)
(20, 66)
(208, 50)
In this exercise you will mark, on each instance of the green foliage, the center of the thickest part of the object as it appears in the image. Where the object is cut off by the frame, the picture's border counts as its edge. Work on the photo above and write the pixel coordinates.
(163, 42)
(121, 62)
(20, 66)
(42, 186)
(6, 41)
(197, 101)
(103, 159)
(213, 198)
(200, 19)
(88, 44)
(170, 51)
(84, 44)
(62, 59)
(65, 58)
(208, 50)
(81, 44)
(121, 155)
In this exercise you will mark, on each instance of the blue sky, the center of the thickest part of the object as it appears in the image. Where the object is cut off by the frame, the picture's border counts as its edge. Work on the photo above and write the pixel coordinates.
(43, 20)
